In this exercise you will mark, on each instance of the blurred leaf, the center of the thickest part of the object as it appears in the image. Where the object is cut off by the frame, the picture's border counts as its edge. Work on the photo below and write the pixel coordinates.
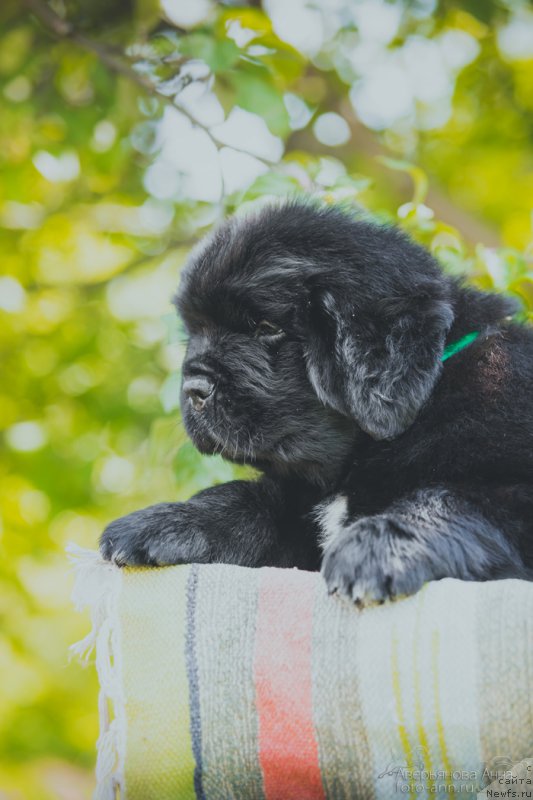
(272, 183)
(170, 392)
(252, 18)
(524, 289)
(420, 181)
(175, 328)
(258, 95)
(218, 55)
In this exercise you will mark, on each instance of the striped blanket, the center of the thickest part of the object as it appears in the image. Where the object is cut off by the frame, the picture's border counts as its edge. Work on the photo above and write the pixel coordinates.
(222, 682)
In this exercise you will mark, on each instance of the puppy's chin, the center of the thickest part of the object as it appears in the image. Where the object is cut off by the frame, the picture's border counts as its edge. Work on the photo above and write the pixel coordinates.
(219, 442)
(204, 443)
(240, 448)
(288, 457)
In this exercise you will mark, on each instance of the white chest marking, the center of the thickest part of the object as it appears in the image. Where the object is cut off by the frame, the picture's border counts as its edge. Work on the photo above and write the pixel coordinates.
(331, 517)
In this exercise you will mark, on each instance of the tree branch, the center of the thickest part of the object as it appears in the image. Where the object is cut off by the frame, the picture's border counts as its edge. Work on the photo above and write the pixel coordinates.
(62, 29)
(52, 21)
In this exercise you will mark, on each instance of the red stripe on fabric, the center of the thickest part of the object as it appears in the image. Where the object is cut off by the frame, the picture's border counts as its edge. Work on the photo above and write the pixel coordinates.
(288, 751)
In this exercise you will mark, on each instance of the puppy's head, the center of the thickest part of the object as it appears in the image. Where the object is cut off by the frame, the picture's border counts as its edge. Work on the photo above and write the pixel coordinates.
(306, 327)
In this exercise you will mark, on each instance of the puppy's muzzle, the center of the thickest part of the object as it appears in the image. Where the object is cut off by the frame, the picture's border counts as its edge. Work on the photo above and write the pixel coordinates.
(198, 391)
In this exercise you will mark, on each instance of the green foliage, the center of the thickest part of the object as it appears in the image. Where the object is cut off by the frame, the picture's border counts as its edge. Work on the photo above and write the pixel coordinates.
(96, 220)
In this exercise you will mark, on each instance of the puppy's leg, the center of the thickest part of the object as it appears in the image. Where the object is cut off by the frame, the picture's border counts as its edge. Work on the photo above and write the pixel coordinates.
(429, 535)
(241, 522)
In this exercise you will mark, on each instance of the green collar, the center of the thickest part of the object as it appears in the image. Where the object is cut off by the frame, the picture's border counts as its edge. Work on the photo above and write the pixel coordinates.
(455, 347)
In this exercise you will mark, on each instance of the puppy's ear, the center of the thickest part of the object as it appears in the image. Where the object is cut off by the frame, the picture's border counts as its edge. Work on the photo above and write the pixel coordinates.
(379, 364)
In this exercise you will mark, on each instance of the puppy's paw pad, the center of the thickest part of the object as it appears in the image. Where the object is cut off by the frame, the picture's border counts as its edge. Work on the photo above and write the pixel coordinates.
(163, 534)
(371, 561)
(120, 545)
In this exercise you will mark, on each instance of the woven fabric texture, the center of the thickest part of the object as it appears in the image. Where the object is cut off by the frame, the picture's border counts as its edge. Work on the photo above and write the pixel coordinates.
(252, 684)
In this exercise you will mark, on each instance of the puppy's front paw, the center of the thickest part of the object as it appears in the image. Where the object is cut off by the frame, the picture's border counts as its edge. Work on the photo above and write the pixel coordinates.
(153, 536)
(374, 559)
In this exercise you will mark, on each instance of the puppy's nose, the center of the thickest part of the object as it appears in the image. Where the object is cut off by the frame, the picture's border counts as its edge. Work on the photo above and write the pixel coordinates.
(198, 390)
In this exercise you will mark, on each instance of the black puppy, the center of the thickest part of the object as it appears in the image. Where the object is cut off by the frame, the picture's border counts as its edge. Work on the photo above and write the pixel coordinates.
(388, 407)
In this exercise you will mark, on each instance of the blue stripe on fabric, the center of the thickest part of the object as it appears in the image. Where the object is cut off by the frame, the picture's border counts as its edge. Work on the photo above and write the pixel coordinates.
(192, 675)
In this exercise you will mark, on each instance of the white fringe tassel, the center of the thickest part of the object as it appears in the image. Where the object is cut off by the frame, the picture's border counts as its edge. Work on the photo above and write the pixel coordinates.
(97, 585)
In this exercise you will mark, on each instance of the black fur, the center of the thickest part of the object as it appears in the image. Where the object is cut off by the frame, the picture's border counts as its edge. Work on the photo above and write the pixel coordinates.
(315, 346)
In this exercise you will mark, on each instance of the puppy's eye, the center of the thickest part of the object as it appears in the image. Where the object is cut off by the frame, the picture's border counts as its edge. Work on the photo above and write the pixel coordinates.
(267, 330)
